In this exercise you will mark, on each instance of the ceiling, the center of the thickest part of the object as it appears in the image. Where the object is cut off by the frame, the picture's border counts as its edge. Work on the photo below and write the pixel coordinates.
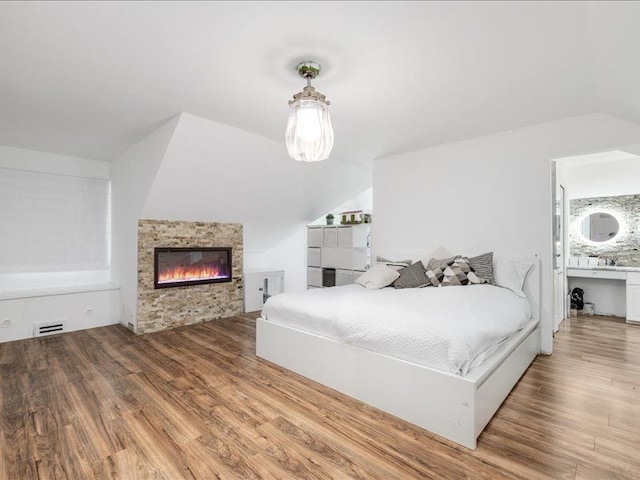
(92, 78)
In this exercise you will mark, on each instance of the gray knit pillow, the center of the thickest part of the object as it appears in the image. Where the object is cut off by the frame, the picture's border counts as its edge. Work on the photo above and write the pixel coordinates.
(413, 276)
(483, 266)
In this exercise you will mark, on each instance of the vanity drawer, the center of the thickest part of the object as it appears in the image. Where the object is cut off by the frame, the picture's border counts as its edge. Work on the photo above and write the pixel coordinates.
(588, 273)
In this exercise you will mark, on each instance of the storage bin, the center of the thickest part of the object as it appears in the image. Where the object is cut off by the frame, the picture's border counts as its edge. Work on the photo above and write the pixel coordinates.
(314, 277)
(314, 237)
(328, 277)
(344, 277)
(314, 257)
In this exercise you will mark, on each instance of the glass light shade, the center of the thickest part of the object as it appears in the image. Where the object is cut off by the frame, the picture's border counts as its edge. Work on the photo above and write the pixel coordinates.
(309, 132)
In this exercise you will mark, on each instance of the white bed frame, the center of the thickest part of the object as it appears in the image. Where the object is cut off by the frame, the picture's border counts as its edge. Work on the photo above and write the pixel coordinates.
(457, 408)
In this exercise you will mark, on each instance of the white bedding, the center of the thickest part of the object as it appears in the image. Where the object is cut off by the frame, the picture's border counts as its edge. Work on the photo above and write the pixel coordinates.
(450, 329)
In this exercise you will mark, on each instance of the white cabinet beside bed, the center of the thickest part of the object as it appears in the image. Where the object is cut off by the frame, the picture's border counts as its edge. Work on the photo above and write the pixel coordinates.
(337, 254)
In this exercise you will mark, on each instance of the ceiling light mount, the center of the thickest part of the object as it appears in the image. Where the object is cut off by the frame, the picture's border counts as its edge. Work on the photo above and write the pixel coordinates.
(309, 133)
(308, 69)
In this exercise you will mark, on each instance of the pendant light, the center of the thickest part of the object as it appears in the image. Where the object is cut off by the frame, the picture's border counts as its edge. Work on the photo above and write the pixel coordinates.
(309, 133)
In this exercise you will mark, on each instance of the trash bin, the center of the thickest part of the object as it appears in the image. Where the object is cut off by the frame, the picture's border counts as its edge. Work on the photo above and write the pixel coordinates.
(577, 298)
(588, 308)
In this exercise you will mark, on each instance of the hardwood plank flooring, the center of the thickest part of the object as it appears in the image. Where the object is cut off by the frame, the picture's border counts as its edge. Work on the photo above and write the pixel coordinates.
(196, 403)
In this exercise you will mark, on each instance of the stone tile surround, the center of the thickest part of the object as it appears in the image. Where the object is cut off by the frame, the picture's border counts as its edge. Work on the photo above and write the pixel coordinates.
(626, 246)
(165, 308)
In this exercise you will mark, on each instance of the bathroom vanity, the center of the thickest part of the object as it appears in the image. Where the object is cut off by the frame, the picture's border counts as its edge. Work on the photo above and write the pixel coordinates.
(620, 281)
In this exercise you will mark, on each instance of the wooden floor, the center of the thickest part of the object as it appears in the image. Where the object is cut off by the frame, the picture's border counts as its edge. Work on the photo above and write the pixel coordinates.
(196, 403)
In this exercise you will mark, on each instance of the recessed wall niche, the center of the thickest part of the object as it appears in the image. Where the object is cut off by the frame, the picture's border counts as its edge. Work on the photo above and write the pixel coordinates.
(625, 246)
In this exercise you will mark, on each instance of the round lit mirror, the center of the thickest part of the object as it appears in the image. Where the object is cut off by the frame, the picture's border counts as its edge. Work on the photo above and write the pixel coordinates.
(599, 227)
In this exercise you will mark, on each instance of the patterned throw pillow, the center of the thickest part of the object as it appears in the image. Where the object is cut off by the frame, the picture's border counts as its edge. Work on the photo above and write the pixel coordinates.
(483, 266)
(460, 273)
(441, 263)
(413, 276)
(435, 276)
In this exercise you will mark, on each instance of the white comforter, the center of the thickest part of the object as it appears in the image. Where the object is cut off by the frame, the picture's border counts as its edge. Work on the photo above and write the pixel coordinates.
(449, 328)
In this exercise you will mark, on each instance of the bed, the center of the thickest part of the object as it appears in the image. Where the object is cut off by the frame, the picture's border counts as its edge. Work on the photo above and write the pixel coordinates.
(446, 376)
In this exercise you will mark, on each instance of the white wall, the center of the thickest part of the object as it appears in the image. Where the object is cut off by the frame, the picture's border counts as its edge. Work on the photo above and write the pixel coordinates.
(132, 175)
(215, 172)
(218, 173)
(23, 295)
(78, 310)
(490, 193)
(43, 162)
(288, 255)
(363, 201)
(605, 174)
(194, 169)
(607, 296)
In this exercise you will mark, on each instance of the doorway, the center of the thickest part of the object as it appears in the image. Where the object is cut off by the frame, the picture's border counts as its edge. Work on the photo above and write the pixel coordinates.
(576, 180)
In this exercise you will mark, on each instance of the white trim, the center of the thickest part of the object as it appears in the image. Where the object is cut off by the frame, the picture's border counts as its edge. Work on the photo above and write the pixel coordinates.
(49, 291)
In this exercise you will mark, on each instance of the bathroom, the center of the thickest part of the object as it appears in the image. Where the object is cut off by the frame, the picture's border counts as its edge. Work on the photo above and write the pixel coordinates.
(599, 195)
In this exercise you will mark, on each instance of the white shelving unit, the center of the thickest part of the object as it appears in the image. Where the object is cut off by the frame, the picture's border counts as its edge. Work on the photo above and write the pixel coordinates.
(337, 254)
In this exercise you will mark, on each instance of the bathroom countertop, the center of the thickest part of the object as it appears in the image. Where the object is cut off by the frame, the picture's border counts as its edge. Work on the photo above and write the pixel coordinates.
(617, 268)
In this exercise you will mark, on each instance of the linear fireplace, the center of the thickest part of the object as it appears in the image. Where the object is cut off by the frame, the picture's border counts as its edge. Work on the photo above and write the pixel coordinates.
(178, 267)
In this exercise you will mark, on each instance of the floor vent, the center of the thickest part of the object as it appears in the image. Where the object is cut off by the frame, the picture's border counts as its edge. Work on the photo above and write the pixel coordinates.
(48, 328)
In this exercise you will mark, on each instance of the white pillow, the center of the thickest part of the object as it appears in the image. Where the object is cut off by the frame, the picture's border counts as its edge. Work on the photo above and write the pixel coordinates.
(395, 264)
(379, 276)
(511, 273)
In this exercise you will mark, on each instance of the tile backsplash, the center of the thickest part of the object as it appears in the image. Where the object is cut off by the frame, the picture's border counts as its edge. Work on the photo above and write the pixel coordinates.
(625, 247)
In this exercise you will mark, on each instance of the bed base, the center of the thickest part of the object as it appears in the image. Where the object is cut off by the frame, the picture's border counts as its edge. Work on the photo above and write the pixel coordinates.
(454, 407)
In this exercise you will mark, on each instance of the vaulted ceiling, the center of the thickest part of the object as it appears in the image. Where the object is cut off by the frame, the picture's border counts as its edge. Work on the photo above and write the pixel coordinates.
(92, 78)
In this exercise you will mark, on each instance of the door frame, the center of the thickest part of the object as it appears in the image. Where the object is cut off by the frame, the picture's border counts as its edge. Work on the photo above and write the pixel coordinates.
(557, 303)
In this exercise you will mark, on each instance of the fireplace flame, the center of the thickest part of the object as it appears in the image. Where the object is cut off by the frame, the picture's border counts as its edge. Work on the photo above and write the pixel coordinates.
(193, 272)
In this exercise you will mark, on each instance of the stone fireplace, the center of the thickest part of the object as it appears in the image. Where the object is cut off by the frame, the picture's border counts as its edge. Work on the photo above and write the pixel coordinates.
(213, 292)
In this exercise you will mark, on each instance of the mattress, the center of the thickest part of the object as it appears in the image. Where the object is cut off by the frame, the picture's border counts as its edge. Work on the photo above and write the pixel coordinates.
(451, 329)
